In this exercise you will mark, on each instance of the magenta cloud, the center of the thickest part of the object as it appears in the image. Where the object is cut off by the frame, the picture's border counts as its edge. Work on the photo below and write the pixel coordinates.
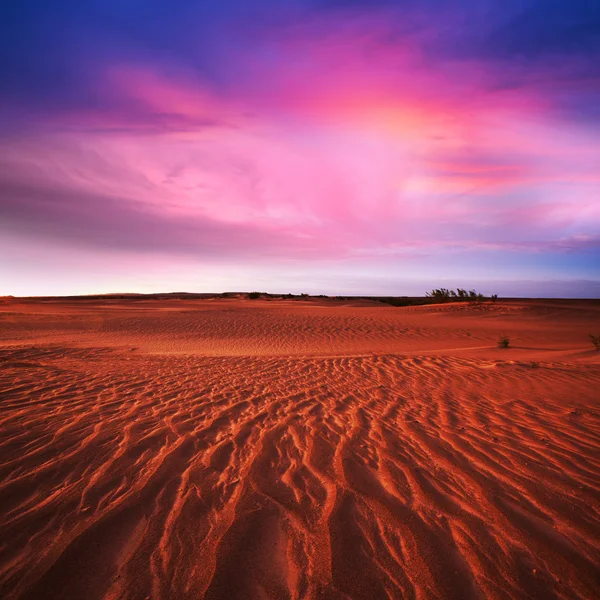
(331, 139)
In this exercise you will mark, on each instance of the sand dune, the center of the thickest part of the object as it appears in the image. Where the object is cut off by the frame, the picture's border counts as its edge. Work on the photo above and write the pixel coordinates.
(230, 449)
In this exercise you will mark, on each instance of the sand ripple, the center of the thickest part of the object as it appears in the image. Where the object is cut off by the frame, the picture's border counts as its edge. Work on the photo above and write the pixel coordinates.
(126, 475)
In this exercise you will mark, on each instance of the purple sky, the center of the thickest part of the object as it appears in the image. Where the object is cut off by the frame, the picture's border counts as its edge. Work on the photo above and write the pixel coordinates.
(340, 147)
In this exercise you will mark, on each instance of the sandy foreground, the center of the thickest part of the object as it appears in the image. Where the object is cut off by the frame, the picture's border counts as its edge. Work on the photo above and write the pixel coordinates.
(283, 449)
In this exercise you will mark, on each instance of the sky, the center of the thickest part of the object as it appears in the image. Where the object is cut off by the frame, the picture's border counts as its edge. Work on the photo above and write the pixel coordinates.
(340, 147)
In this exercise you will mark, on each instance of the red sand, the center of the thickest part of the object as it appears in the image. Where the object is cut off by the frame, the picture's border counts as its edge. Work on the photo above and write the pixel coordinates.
(254, 449)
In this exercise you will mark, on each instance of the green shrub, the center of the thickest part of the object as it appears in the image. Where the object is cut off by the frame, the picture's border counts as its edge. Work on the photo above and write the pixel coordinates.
(503, 342)
(254, 295)
(596, 341)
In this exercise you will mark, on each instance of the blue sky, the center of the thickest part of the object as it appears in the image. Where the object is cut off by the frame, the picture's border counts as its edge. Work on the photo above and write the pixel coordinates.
(330, 147)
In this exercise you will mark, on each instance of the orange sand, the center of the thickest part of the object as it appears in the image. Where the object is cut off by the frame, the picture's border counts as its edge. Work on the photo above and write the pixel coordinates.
(283, 449)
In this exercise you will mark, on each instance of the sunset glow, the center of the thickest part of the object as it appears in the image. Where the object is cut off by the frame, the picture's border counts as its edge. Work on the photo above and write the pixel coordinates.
(339, 148)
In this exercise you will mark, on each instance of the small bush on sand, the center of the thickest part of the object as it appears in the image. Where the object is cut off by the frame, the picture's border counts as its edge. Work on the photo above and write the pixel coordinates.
(596, 341)
(254, 295)
(503, 342)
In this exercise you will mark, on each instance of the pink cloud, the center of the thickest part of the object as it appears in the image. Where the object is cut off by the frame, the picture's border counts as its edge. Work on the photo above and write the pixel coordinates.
(331, 143)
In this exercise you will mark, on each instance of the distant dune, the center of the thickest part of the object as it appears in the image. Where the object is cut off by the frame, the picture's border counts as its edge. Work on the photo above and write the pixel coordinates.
(174, 448)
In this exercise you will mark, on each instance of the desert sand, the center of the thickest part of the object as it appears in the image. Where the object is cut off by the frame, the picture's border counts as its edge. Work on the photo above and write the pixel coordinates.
(282, 449)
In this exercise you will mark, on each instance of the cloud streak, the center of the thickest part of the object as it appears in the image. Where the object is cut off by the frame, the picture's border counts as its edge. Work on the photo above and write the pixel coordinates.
(354, 132)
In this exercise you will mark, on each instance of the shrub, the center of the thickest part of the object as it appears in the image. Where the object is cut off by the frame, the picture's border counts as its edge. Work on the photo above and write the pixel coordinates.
(254, 295)
(439, 295)
(446, 295)
(596, 341)
(503, 342)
